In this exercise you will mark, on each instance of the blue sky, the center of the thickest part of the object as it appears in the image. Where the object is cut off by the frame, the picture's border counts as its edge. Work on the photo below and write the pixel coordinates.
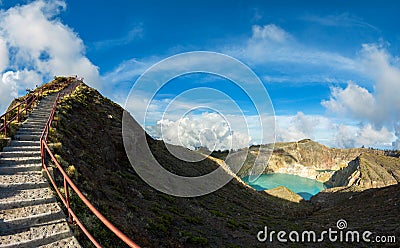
(331, 68)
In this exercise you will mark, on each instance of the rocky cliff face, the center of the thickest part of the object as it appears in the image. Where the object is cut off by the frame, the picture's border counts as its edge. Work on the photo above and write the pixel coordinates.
(305, 158)
(368, 171)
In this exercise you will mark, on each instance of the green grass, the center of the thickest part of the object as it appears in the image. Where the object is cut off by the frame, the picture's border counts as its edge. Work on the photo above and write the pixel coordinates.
(193, 220)
(193, 239)
(232, 224)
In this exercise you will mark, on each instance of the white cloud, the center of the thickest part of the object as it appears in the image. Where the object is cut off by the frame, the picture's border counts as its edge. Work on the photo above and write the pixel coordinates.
(134, 33)
(340, 20)
(127, 71)
(381, 66)
(208, 130)
(368, 136)
(8, 91)
(42, 45)
(12, 82)
(301, 126)
(270, 32)
(381, 107)
(396, 144)
(352, 101)
(271, 45)
(3, 55)
(331, 132)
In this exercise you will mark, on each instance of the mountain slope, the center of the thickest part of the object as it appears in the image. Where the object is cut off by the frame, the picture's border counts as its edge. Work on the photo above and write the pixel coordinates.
(88, 139)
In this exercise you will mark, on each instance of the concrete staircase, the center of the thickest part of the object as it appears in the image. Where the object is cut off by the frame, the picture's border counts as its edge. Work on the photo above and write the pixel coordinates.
(29, 213)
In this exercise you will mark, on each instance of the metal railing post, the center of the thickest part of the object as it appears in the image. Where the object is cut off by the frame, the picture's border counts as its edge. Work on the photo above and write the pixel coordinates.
(66, 188)
(42, 153)
(18, 116)
(5, 125)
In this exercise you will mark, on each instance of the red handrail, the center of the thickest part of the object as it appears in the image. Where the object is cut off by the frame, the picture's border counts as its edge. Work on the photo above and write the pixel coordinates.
(28, 104)
(31, 98)
(68, 183)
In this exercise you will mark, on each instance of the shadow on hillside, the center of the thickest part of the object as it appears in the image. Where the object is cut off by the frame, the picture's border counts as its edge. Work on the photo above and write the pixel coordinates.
(374, 209)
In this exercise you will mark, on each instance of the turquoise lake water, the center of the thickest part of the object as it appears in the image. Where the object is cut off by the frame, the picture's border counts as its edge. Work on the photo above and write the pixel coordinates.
(305, 187)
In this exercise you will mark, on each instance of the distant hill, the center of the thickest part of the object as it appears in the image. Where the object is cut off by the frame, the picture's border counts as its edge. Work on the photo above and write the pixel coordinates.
(89, 138)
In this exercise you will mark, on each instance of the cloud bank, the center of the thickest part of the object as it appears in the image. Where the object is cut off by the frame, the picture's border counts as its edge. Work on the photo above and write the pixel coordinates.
(206, 130)
(377, 110)
(35, 46)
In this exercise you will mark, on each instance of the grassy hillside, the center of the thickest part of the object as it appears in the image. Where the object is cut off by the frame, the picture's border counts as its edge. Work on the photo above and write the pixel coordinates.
(89, 143)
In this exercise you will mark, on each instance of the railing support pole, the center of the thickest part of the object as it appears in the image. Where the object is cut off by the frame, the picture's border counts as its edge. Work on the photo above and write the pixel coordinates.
(18, 116)
(5, 125)
(66, 188)
(42, 153)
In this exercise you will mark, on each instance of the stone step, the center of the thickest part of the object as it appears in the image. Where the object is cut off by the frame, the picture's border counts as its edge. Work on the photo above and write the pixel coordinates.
(43, 110)
(29, 123)
(21, 148)
(22, 181)
(40, 114)
(18, 218)
(25, 132)
(27, 137)
(21, 160)
(20, 143)
(44, 115)
(69, 242)
(43, 106)
(26, 197)
(27, 126)
(41, 123)
(34, 126)
(20, 169)
(36, 235)
(29, 132)
(36, 120)
(35, 129)
(15, 154)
